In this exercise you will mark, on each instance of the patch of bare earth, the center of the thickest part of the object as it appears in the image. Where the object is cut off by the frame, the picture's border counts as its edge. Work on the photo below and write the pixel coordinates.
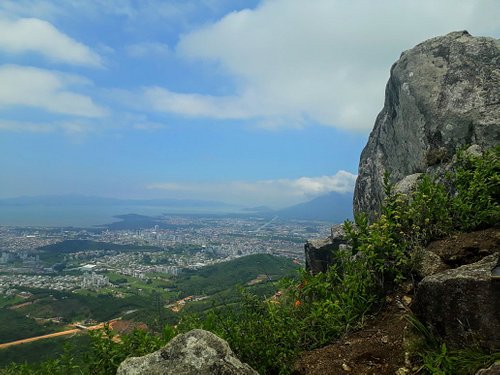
(375, 349)
(466, 248)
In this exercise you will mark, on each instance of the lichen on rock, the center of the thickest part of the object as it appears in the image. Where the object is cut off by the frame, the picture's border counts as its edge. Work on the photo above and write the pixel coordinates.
(442, 95)
(196, 352)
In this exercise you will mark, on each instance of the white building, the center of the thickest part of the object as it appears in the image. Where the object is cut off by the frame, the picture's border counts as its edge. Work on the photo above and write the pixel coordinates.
(94, 281)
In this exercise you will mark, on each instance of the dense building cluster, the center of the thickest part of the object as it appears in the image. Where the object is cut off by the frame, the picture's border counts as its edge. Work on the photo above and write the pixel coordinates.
(182, 242)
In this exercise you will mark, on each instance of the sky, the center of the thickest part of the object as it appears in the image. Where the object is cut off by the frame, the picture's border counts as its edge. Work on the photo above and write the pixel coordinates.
(247, 102)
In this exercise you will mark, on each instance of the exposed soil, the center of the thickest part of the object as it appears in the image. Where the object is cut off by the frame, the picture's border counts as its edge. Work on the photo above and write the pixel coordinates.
(126, 326)
(377, 349)
(466, 248)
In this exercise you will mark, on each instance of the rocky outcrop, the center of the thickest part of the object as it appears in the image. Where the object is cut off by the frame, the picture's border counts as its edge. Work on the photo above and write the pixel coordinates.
(462, 304)
(429, 264)
(465, 248)
(442, 95)
(321, 253)
(197, 352)
(457, 250)
(494, 369)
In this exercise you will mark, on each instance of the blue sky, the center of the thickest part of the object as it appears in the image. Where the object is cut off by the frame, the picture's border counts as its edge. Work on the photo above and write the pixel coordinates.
(249, 102)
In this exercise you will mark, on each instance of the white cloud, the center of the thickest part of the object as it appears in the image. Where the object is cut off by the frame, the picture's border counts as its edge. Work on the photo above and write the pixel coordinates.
(73, 129)
(22, 127)
(196, 105)
(148, 49)
(30, 8)
(323, 60)
(45, 89)
(274, 193)
(149, 126)
(35, 35)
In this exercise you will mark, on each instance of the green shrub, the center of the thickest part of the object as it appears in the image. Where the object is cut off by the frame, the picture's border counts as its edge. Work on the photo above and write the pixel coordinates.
(477, 182)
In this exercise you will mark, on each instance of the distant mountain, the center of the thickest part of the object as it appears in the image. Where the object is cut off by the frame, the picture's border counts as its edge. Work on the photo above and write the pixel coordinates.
(257, 209)
(332, 207)
(84, 200)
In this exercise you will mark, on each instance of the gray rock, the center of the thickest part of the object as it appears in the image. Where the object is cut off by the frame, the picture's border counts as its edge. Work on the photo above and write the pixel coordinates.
(197, 352)
(321, 253)
(462, 304)
(494, 369)
(429, 263)
(408, 184)
(442, 95)
(474, 150)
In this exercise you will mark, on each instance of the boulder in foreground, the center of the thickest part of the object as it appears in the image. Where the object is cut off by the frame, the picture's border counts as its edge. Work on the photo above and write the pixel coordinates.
(197, 352)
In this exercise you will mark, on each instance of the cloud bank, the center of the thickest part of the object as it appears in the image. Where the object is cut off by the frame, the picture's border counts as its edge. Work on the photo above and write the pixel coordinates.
(325, 61)
(274, 193)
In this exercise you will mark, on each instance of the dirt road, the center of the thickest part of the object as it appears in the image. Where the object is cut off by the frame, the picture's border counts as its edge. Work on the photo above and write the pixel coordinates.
(52, 335)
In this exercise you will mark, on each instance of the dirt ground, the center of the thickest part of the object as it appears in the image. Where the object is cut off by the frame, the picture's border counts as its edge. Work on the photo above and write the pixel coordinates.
(377, 349)
(466, 248)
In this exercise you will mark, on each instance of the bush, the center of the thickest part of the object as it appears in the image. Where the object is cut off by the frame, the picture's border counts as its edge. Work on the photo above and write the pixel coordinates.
(476, 179)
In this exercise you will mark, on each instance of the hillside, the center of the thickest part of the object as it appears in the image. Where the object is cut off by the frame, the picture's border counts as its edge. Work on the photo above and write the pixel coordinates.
(218, 283)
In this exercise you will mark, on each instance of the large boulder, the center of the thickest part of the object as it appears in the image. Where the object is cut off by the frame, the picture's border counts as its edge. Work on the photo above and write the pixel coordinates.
(197, 352)
(321, 253)
(441, 95)
(462, 304)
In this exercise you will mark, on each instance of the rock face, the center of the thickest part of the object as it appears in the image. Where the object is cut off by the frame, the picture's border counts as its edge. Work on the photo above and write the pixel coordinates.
(197, 352)
(462, 304)
(321, 253)
(442, 95)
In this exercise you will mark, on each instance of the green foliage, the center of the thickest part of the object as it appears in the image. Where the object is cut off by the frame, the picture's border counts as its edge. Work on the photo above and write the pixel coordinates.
(261, 333)
(73, 306)
(467, 199)
(477, 183)
(437, 359)
(45, 350)
(20, 326)
(221, 276)
(269, 334)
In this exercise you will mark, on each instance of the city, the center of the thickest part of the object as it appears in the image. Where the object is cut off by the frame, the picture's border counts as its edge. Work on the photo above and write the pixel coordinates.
(27, 258)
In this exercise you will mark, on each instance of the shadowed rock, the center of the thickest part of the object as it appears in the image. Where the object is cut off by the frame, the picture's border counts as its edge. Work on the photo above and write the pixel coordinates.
(494, 369)
(462, 304)
(321, 253)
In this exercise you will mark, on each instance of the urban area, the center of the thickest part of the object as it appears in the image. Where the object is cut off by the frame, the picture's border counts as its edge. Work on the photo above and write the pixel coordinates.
(35, 257)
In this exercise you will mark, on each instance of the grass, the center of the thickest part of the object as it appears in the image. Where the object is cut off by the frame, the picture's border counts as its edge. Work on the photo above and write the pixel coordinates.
(435, 358)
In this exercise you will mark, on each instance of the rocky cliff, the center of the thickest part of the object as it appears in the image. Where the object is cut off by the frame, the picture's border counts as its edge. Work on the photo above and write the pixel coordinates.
(442, 95)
